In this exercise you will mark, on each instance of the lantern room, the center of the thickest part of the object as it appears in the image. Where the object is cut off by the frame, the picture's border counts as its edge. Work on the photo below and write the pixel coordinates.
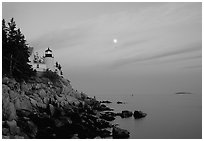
(48, 53)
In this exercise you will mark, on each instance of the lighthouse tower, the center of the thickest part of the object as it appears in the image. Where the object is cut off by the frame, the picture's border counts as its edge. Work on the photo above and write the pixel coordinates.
(49, 60)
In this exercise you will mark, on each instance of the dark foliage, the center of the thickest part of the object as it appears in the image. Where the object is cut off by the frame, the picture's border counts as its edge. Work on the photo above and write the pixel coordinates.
(52, 76)
(15, 52)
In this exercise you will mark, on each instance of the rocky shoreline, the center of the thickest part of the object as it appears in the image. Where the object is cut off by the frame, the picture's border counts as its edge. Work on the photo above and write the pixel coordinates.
(45, 109)
(41, 108)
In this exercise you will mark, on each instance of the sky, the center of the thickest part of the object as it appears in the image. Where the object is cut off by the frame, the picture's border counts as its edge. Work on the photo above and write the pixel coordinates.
(158, 49)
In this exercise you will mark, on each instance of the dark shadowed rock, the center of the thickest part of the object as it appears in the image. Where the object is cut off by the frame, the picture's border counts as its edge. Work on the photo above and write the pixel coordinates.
(119, 102)
(103, 107)
(32, 129)
(182, 93)
(126, 114)
(63, 121)
(139, 114)
(101, 123)
(105, 101)
(24, 113)
(109, 116)
(119, 133)
(5, 137)
(75, 136)
(5, 131)
(18, 137)
(104, 133)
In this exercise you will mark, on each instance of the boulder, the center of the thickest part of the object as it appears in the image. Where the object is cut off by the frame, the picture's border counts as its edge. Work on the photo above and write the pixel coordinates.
(104, 133)
(42, 93)
(5, 131)
(12, 83)
(41, 105)
(25, 103)
(5, 107)
(13, 95)
(12, 127)
(25, 87)
(24, 113)
(83, 96)
(119, 133)
(59, 99)
(119, 102)
(5, 80)
(65, 90)
(126, 114)
(18, 137)
(103, 107)
(62, 121)
(36, 97)
(10, 112)
(97, 137)
(75, 136)
(106, 101)
(33, 102)
(65, 82)
(5, 91)
(31, 129)
(59, 123)
(17, 104)
(139, 114)
(36, 86)
(101, 123)
(51, 109)
(108, 116)
(75, 94)
(5, 137)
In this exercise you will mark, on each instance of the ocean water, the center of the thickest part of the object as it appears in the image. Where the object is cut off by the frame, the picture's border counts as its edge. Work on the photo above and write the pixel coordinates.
(169, 116)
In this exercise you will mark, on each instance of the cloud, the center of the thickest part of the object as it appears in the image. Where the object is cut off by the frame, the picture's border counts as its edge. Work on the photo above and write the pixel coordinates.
(178, 51)
(193, 67)
(133, 43)
(63, 37)
(146, 33)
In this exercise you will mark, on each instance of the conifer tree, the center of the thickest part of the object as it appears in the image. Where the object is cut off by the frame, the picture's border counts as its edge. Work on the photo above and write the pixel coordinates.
(15, 52)
(5, 60)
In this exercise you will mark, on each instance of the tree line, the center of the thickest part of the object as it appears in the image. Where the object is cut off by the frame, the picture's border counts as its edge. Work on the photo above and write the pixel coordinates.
(15, 52)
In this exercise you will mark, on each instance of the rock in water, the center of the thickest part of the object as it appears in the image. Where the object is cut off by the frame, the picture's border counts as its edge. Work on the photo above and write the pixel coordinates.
(120, 102)
(119, 133)
(139, 114)
(126, 114)
(105, 101)
(108, 116)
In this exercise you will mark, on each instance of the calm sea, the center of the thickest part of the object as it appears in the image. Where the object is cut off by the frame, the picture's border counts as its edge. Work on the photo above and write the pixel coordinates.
(169, 116)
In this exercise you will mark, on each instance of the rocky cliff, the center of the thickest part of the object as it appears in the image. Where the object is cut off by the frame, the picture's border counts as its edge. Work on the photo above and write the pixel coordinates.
(43, 108)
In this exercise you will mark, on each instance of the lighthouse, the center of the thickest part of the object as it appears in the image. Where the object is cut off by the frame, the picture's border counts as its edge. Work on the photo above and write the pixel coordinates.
(49, 60)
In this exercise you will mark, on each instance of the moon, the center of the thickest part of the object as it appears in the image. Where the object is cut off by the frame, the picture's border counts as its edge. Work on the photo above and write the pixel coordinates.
(115, 41)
